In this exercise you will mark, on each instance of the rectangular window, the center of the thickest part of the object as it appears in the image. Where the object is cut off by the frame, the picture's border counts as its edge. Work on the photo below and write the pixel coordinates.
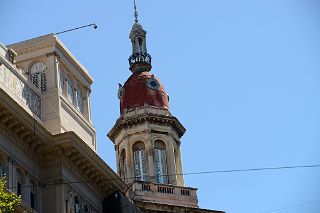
(70, 92)
(32, 200)
(160, 165)
(79, 101)
(140, 165)
(19, 187)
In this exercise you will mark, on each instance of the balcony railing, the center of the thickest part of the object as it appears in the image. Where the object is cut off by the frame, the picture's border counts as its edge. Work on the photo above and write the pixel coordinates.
(16, 86)
(140, 58)
(166, 193)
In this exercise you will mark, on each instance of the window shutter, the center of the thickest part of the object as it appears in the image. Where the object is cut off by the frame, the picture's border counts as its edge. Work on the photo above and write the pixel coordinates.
(160, 165)
(144, 165)
(163, 166)
(140, 165)
(43, 82)
(35, 79)
(137, 165)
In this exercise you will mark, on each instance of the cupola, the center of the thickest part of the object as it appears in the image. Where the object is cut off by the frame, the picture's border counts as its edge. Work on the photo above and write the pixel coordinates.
(140, 60)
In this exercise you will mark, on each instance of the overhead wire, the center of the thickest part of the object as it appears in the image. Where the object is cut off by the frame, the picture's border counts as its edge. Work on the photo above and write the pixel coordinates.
(194, 173)
(292, 206)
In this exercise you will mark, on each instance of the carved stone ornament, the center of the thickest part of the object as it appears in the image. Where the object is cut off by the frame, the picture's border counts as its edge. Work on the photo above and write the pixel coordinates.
(25, 93)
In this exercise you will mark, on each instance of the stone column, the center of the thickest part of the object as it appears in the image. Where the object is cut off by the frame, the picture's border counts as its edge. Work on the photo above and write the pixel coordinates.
(171, 164)
(149, 156)
(129, 160)
(179, 166)
(87, 108)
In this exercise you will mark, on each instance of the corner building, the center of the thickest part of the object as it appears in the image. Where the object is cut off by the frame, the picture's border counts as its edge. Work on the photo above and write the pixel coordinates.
(47, 139)
(147, 138)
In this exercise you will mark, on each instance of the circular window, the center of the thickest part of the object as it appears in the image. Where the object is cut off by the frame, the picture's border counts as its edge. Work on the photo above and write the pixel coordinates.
(153, 83)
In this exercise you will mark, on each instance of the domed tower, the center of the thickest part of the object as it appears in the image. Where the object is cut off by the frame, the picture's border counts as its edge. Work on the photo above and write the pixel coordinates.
(146, 135)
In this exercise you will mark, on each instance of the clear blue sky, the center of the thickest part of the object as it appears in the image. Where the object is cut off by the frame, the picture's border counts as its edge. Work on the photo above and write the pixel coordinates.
(242, 75)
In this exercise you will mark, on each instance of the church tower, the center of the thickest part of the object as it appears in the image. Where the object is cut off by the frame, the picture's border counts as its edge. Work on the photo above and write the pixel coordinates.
(146, 135)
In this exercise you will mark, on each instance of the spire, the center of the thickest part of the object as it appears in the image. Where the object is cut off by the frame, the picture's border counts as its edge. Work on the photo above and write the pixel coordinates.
(135, 12)
(140, 60)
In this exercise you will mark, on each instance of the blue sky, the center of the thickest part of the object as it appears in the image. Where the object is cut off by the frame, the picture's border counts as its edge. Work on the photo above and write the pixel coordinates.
(242, 75)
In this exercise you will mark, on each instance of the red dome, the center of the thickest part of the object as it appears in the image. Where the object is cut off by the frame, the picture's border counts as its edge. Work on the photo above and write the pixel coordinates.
(143, 88)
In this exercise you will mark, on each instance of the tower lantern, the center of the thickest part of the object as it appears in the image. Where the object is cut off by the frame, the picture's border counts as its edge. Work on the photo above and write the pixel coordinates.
(140, 60)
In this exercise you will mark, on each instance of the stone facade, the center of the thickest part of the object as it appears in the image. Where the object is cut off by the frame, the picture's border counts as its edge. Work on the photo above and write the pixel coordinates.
(47, 144)
(65, 98)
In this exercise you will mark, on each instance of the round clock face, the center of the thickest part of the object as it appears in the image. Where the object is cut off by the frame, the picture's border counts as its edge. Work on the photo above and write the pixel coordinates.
(153, 84)
(38, 67)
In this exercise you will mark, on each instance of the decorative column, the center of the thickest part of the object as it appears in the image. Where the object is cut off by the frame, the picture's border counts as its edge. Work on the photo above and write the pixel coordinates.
(171, 164)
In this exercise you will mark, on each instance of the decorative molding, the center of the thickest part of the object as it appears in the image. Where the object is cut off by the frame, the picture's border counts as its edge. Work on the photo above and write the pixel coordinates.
(21, 89)
(128, 122)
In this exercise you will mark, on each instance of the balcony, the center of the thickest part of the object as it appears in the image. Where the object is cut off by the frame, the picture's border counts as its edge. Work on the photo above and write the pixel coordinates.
(139, 58)
(165, 194)
(16, 86)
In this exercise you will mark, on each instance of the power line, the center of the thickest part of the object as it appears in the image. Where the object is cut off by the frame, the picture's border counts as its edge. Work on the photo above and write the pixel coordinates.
(292, 206)
(251, 169)
(192, 173)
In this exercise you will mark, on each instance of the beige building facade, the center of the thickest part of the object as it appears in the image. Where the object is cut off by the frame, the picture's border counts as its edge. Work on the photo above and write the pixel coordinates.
(47, 140)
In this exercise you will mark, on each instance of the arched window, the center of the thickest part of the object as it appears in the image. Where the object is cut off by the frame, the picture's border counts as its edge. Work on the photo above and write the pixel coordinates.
(140, 161)
(79, 100)
(69, 91)
(123, 163)
(140, 45)
(38, 76)
(160, 161)
(76, 205)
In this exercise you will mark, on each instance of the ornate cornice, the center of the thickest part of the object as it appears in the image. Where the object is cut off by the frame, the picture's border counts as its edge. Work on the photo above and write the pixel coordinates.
(93, 169)
(27, 134)
(127, 122)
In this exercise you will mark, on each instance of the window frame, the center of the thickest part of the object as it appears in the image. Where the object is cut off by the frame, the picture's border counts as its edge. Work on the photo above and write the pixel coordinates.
(160, 161)
(140, 161)
(39, 79)
(70, 90)
(79, 101)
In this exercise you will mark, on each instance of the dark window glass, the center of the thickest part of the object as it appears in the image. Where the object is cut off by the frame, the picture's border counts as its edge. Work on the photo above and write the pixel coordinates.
(32, 200)
(19, 188)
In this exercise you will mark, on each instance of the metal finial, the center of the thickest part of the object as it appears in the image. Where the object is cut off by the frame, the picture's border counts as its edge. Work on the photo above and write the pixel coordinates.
(135, 11)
